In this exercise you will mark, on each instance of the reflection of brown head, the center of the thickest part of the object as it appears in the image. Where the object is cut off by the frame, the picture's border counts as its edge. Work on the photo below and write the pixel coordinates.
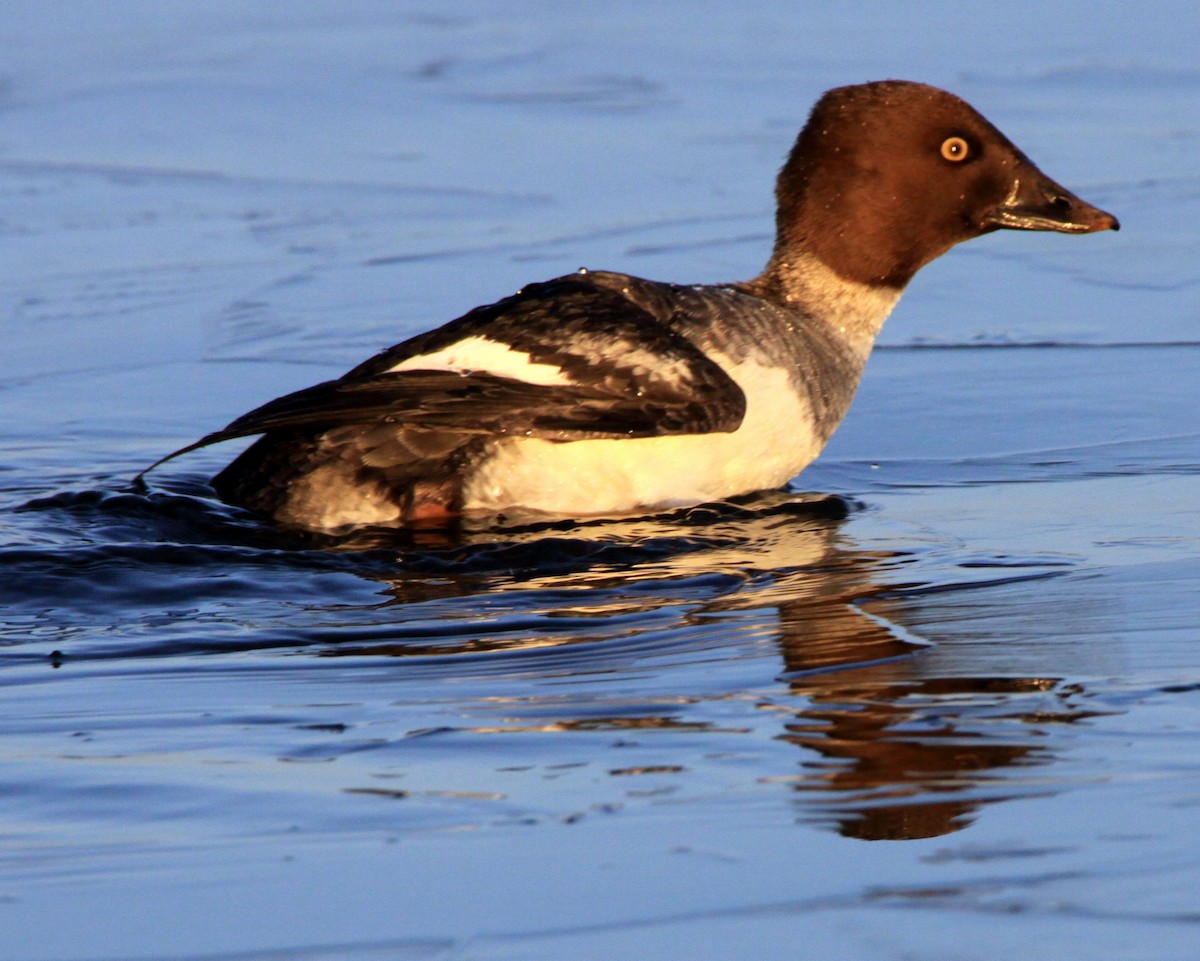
(907, 822)
(902, 757)
(895, 753)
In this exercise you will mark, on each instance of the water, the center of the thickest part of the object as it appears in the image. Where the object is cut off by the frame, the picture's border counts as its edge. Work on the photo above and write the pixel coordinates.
(968, 635)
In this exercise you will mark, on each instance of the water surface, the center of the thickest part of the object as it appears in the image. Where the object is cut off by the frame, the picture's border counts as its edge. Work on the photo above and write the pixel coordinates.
(940, 699)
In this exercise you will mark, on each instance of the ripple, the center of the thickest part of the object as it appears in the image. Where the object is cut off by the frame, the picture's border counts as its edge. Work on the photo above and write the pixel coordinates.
(188, 576)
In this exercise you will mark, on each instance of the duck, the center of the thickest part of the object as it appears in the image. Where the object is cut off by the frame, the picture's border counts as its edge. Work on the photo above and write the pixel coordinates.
(599, 393)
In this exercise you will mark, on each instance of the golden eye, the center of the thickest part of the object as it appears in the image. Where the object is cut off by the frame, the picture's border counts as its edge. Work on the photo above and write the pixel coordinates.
(955, 149)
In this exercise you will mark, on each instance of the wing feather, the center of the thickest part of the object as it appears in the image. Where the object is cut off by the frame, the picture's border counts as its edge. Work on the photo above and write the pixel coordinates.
(625, 373)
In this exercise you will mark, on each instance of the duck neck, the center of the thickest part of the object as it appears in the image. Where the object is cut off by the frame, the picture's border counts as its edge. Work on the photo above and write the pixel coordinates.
(853, 311)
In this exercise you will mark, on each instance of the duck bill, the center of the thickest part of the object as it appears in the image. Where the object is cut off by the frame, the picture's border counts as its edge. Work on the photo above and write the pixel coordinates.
(1036, 202)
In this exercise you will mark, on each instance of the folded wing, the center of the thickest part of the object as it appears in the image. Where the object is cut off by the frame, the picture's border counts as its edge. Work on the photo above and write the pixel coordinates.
(562, 361)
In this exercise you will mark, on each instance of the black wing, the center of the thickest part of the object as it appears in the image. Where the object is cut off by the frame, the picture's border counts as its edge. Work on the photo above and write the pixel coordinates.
(625, 373)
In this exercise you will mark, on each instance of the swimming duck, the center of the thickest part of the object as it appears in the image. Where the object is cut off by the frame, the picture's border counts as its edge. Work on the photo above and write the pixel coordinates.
(600, 393)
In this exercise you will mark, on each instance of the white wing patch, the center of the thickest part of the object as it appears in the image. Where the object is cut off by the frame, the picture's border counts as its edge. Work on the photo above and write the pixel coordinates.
(481, 355)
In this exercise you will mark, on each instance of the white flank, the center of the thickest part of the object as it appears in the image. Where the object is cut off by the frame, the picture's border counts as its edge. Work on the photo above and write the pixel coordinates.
(774, 443)
(478, 354)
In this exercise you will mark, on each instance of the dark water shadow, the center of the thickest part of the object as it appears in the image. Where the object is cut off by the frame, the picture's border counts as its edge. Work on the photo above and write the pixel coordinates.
(886, 749)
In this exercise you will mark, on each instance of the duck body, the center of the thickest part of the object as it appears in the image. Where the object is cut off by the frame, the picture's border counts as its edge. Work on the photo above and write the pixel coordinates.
(595, 393)
(600, 393)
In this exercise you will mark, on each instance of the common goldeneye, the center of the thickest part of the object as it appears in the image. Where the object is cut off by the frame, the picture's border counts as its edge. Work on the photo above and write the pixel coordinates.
(602, 393)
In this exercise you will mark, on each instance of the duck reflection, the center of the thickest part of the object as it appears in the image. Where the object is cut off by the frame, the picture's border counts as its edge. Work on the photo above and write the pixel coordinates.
(902, 754)
(890, 748)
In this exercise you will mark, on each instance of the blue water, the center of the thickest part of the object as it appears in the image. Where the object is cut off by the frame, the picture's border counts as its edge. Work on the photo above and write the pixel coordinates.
(940, 700)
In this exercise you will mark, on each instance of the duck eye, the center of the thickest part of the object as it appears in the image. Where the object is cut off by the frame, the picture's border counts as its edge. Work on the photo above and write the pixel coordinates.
(955, 149)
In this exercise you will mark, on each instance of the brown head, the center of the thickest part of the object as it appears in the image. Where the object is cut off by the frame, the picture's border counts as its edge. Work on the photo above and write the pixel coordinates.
(887, 176)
